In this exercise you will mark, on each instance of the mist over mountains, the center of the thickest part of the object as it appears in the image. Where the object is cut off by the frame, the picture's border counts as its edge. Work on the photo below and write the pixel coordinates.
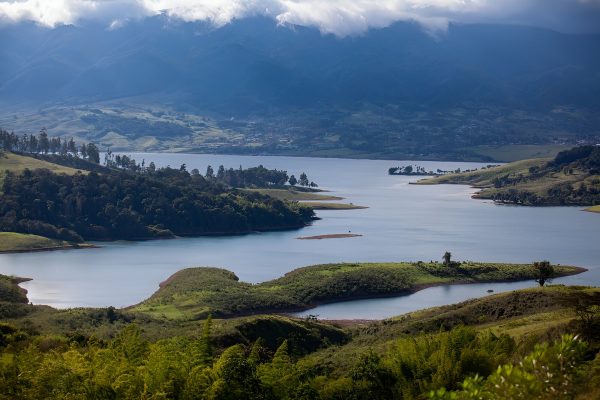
(258, 87)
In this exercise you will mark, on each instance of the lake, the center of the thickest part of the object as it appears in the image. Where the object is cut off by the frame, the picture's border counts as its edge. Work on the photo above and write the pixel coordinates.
(403, 223)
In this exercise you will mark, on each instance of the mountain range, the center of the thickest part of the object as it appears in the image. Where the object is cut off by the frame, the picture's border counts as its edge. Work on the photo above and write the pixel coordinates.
(253, 86)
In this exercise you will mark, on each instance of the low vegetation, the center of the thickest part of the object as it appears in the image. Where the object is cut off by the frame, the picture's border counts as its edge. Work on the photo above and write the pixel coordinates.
(321, 205)
(16, 164)
(294, 194)
(18, 242)
(444, 353)
(571, 178)
(10, 292)
(197, 292)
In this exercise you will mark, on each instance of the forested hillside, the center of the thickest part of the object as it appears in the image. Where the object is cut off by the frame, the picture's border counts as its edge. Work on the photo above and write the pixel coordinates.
(124, 205)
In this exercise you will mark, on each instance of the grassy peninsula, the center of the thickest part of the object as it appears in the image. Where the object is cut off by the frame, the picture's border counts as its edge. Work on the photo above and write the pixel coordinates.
(295, 194)
(571, 178)
(595, 209)
(12, 242)
(197, 292)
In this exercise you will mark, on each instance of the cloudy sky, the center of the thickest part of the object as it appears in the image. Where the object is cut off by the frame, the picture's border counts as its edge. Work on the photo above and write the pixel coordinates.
(339, 17)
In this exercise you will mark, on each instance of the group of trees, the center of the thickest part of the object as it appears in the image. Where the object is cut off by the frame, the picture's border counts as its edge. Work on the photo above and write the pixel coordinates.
(410, 170)
(544, 270)
(260, 176)
(124, 205)
(255, 177)
(44, 144)
(130, 367)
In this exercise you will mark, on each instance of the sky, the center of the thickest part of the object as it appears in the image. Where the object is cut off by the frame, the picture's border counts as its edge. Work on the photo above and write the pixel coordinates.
(338, 17)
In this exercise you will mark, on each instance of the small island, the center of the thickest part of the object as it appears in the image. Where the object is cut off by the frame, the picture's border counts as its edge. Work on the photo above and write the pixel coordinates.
(330, 236)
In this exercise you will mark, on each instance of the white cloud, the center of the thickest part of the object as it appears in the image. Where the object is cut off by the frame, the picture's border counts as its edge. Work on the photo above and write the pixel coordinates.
(340, 17)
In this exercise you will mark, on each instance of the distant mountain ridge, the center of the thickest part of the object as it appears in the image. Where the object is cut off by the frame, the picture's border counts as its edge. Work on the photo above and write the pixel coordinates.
(396, 87)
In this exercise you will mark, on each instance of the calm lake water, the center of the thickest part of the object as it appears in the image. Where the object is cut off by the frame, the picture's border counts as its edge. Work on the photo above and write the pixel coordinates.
(403, 222)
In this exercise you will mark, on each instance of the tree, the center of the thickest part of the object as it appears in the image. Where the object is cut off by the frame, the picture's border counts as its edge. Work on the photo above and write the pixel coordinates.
(408, 169)
(210, 173)
(205, 349)
(303, 179)
(447, 259)
(293, 180)
(43, 142)
(83, 151)
(545, 272)
(93, 153)
(221, 173)
(71, 147)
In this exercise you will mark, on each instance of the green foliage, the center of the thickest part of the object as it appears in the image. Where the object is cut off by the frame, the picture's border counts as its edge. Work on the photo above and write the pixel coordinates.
(197, 292)
(132, 205)
(545, 272)
(10, 291)
(549, 372)
(380, 362)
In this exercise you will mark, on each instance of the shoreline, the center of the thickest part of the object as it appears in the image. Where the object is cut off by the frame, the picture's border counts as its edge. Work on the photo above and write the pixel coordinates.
(144, 239)
(53, 248)
(329, 236)
(418, 288)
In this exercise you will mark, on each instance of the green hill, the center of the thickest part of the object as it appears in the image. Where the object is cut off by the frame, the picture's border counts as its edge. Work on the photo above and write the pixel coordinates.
(16, 163)
(197, 292)
(107, 353)
(571, 178)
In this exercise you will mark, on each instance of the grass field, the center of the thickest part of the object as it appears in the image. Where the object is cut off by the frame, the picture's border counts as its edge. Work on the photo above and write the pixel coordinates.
(484, 177)
(540, 186)
(525, 314)
(197, 292)
(595, 209)
(16, 163)
(321, 205)
(294, 195)
(16, 242)
(510, 153)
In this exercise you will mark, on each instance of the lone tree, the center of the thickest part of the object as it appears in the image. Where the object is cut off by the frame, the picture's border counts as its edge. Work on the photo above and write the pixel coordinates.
(447, 259)
(545, 272)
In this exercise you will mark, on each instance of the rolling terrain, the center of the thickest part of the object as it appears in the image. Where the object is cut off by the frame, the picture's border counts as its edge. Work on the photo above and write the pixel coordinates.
(571, 178)
(476, 92)
(197, 292)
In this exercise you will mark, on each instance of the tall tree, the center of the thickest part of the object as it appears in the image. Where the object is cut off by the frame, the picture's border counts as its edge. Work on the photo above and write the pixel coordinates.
(210, 173)
(43, 142)
(93, 153)
(447, 259)
(545, 272)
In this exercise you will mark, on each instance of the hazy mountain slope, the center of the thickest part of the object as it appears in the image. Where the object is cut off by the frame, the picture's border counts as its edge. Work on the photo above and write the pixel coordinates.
(476, 84)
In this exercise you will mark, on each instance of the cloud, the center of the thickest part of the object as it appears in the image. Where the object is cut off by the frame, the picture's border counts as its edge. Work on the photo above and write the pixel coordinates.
(338, 17)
